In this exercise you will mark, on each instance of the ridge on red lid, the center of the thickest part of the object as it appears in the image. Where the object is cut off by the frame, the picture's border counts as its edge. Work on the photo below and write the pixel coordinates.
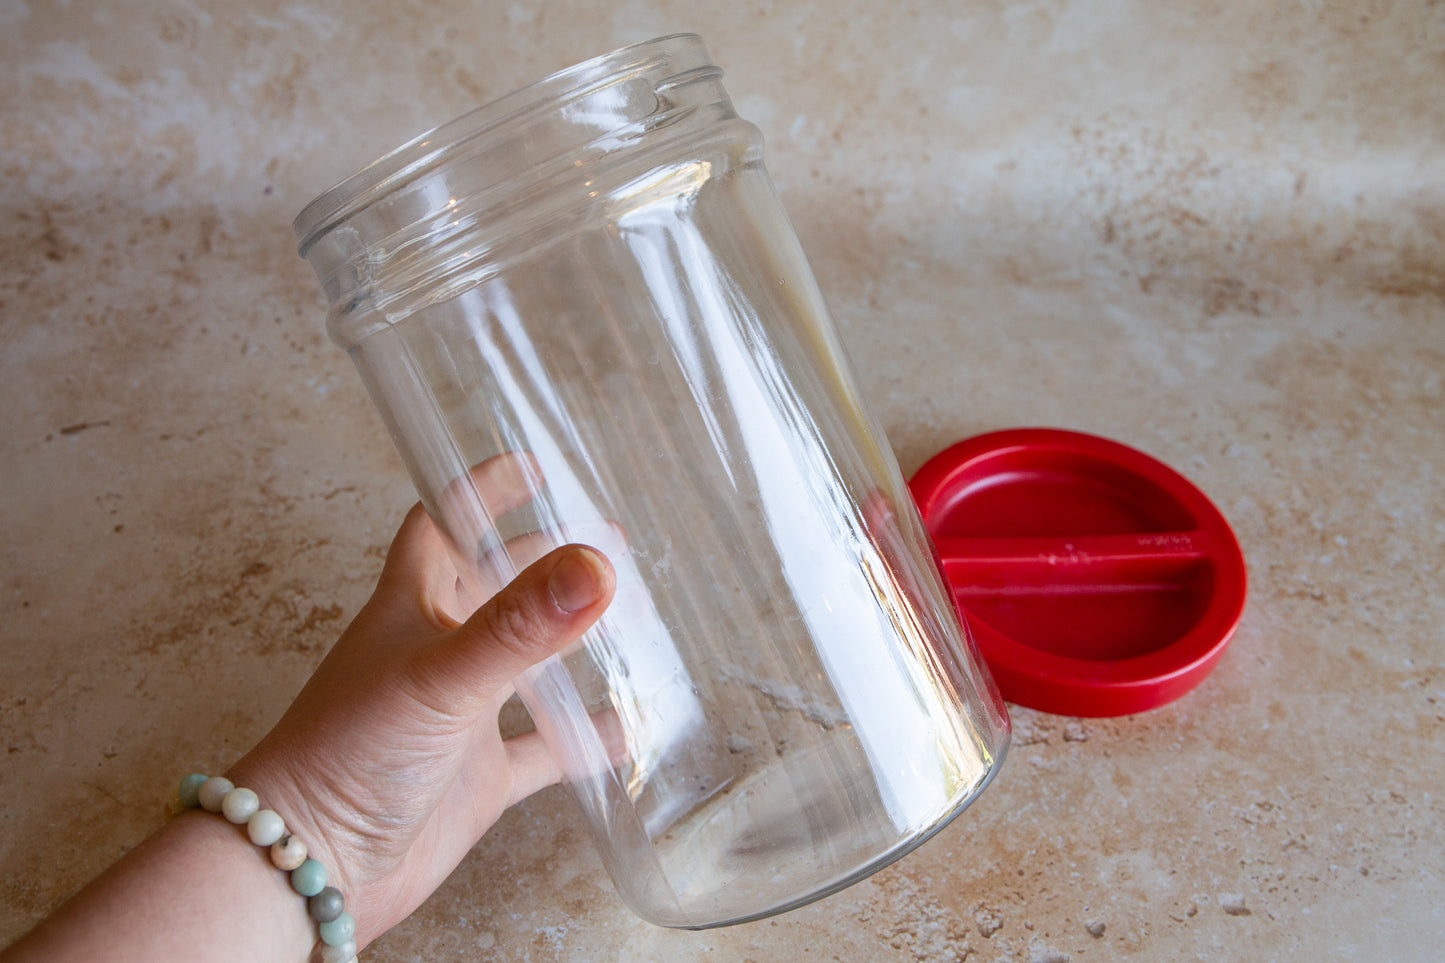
(1096, 580)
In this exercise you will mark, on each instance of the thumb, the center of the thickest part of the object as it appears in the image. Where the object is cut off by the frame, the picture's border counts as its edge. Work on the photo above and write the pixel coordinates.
(544, 609)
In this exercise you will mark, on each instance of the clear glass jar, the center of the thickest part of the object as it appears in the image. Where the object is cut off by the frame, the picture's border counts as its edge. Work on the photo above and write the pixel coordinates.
(585, 318)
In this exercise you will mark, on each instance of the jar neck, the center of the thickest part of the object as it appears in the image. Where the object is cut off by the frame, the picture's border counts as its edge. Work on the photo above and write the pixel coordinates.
(431, 200)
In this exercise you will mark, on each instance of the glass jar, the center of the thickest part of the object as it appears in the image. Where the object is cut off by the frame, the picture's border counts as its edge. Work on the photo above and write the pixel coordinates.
(585, 317)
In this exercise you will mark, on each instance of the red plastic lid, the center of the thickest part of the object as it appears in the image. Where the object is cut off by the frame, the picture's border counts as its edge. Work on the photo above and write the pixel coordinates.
(1097, 581)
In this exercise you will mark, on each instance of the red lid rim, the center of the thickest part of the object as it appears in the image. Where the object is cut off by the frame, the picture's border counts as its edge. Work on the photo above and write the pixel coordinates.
(1087, 686)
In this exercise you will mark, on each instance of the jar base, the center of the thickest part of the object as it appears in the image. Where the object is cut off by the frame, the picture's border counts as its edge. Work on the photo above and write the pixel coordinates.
(742, 881)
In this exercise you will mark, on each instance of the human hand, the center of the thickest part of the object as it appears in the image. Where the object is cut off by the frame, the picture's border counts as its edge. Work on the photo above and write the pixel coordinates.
(389, 765)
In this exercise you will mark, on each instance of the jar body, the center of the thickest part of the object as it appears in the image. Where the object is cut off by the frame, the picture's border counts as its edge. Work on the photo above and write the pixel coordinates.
(585, 318)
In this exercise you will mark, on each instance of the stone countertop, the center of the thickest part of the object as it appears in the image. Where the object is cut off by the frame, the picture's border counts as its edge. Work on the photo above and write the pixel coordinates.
(1214, 231)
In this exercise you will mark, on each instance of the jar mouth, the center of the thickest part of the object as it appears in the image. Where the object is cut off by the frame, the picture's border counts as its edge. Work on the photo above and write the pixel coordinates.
(428, 150)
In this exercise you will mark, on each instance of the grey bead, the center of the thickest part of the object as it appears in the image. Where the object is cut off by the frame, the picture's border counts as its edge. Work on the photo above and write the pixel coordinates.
(326, 905)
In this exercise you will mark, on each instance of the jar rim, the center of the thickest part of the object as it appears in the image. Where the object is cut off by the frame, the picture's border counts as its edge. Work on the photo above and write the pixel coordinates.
(400, 165)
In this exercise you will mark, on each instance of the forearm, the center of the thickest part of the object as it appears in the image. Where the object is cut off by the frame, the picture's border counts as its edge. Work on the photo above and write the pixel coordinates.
(389, 766)
(197, 890)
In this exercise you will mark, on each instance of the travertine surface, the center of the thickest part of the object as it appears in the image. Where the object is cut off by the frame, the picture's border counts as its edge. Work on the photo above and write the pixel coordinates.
(1212, 229)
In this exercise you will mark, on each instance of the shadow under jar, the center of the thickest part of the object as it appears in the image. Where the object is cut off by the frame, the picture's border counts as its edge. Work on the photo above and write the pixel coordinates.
(585, 318)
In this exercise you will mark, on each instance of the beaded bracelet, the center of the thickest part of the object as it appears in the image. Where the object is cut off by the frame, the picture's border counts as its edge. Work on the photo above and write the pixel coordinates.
(325, 904)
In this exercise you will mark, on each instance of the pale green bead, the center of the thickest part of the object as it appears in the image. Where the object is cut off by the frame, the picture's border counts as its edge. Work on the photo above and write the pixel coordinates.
(309, 878)
(343, 952)
(212, 791)
(188, 792)
(338, 931)
(265, 827)
(240, 805)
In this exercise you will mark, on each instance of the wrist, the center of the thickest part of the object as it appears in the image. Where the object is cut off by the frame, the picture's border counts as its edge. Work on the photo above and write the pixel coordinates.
(221, 850)
(282, 792)
(284, 849)
(325, 837)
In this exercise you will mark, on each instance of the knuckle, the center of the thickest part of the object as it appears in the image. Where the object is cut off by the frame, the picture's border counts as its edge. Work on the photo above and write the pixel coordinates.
(513, 625)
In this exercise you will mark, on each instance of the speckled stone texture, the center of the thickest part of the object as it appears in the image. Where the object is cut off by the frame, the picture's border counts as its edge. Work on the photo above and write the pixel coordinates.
(1211, 230)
